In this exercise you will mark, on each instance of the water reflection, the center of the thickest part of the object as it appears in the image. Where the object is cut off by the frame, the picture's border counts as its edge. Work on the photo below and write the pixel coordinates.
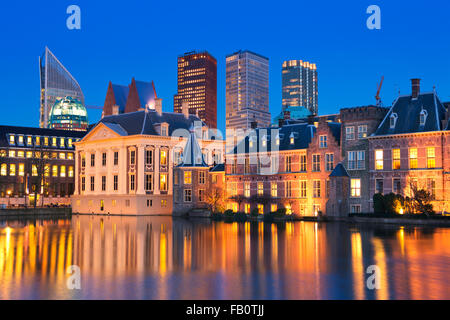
(161, 258)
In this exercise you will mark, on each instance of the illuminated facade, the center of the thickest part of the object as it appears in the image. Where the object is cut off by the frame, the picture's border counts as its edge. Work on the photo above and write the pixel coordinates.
(299, 85)
(124, 165)
(56, 84)
(37, 162)
(69, 114)
(247, 91)
(197, 85)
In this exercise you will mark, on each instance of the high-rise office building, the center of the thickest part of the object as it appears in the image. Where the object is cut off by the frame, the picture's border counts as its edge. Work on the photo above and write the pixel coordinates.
(197, 85)
(247, 90)
(299, 85)
(56, 84)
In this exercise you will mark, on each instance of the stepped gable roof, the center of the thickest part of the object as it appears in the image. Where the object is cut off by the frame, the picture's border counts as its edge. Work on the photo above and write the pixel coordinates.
(408, 109)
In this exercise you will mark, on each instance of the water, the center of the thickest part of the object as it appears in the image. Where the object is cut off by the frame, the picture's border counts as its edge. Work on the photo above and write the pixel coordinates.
(165, 258)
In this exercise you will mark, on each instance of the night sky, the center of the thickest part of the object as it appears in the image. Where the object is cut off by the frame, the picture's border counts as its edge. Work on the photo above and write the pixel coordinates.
(122, 39)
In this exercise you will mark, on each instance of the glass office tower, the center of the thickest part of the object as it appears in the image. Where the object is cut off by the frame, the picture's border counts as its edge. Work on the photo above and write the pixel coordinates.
(197, 84)
(247, 90)
(299, 85)
(56, 84)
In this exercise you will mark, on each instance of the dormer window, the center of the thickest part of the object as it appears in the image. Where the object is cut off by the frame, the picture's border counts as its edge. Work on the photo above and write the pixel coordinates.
(250, 142)
(20, 140)
(264, 141)
(393, 120)
(423, 117)
(29, 140)
(278, 140)
(12, 139)
(291, 138)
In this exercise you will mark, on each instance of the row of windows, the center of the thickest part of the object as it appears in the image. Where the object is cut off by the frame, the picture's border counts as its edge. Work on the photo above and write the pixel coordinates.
(148, 182)
(47, 170)
(413, 158)
(132, 158)
(21, 140)
(36, 154)
(350, 132)
(397, 185)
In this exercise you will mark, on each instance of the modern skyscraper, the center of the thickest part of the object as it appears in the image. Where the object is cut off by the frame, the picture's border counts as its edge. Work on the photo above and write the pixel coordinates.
(299, 85)
(56, 84)
(247, 90)
(197, 85)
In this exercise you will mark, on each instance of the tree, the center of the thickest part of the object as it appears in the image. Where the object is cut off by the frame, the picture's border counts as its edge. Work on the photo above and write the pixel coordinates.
(40, 169)
(239, 199)
(421, 200)
(214, 197)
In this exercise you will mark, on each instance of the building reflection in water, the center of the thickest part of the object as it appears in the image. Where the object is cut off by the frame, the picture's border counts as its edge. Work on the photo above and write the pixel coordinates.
(165, 258)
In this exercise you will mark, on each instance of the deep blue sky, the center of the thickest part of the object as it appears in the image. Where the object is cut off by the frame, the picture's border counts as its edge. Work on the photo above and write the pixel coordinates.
(122, 39)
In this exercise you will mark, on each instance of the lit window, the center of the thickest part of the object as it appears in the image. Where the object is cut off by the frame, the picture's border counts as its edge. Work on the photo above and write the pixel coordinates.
(163, 182)
(62, 142)
(54, 142)
(3, 170)
(12, 169)
(247, 189)
(396, 159)
(260, 188)
(273, 208)
(20, 154)
(62, 155)
(12, 153)
(292, 138)
(431, 158)
(45, 141)
(187, 177)
(163, 158)
(21, 169)
(37, 140)
(69, 143)
(20, 140)
(29, 154)
(350, 133)
(62, 172)
(260, 209)
(47, 170)
(12, 139)
(356, 188)
(274, 189)
(55, 171)
(70, 172)
(362, 132)
(29, 140)
(413, 158)
(70, 155)
(378, 159)
(247, 208)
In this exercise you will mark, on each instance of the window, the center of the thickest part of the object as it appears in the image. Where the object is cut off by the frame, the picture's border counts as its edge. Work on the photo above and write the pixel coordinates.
(70, 172)
(116, 182)
(379, 160)
(93, 160)
(327, 188)
(247, 189)
(29, 140)
(149, 157)
(395, 159)
(37, 141)
(273, 208)
(12, 139)
(355, 208)
(201, 195)
(132, 182)
(92, 183)
(362, 131)
(316, 188)
(247, 208)
(303, 189)
(163, 182)
(431, 158)
(163, 203)
(274, 189)
(413, 158)
(260, 188)
(187, 177)
(316, 162)
(329, 158)
(21, 169)
(214, 178)
(116, 158)
(323, 142)
(288, 163)
(69, 143)
(55, 171)
(83, 183)
(164, 131)
(83, 161)
(70, 156)
(379, 186)
(132, 157)
(148, 182)
(163, 159)
(54, 142)
(62, 143)
(12, 153)
(396, 186)
(233, 166)
(47, 170)
(292, 139)
(62, 171)
(288, 189)
(103, 183)
(12, 169)
(431, 186)
(355, 185)
(423, 117)
(149, 203)
(104, 159)
(4, 169)
(393, 120)
(45, 141)
(246, 166)
(350, 133)
(260, 209)
(187, 195)
(303, 163)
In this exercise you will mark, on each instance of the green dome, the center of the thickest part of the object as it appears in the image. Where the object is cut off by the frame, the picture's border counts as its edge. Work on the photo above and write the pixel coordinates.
(68, 114)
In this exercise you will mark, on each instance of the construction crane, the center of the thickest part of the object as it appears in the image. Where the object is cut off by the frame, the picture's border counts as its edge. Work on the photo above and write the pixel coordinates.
(377, 97)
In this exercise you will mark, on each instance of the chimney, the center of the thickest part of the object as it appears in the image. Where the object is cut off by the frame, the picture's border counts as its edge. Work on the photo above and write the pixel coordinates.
(254, 124)
(280, 122)
(185, 109)
(158, 106)
(115, 109)
(287, 115)
(415, 84)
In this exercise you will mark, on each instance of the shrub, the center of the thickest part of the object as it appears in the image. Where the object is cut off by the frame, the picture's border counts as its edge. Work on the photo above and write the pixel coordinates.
(254, 212)
(228, 213)
(240, 217)
(378, 203)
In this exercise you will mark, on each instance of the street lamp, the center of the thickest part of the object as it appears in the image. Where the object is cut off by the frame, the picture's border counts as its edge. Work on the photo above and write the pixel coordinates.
(9, 197)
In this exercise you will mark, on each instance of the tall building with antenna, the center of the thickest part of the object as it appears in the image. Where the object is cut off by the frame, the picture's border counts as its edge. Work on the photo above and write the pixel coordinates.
(56, 84)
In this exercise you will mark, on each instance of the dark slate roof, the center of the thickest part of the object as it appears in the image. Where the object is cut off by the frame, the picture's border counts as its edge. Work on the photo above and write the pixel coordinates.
(339, 171)
(192, 154)
(302, 133)
(335, 129)
(141, 122)
(146, 92)
(121, 95)
(408, 111)
(218, 168)
(5, 130)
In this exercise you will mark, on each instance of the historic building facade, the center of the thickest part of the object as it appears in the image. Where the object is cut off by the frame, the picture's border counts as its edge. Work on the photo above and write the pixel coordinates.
(411, 148)
(125, 164)
(37, 165)
(286, 167)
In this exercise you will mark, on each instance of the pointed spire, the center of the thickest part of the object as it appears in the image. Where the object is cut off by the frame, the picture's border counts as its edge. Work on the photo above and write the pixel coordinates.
(110, 101)
(133, 102)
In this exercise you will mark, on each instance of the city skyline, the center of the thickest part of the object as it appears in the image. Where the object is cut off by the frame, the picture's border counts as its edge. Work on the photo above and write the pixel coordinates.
(350, 65)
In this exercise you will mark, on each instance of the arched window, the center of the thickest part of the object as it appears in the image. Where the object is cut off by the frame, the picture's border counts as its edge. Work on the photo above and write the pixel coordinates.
(393, 120)
(423, 117)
